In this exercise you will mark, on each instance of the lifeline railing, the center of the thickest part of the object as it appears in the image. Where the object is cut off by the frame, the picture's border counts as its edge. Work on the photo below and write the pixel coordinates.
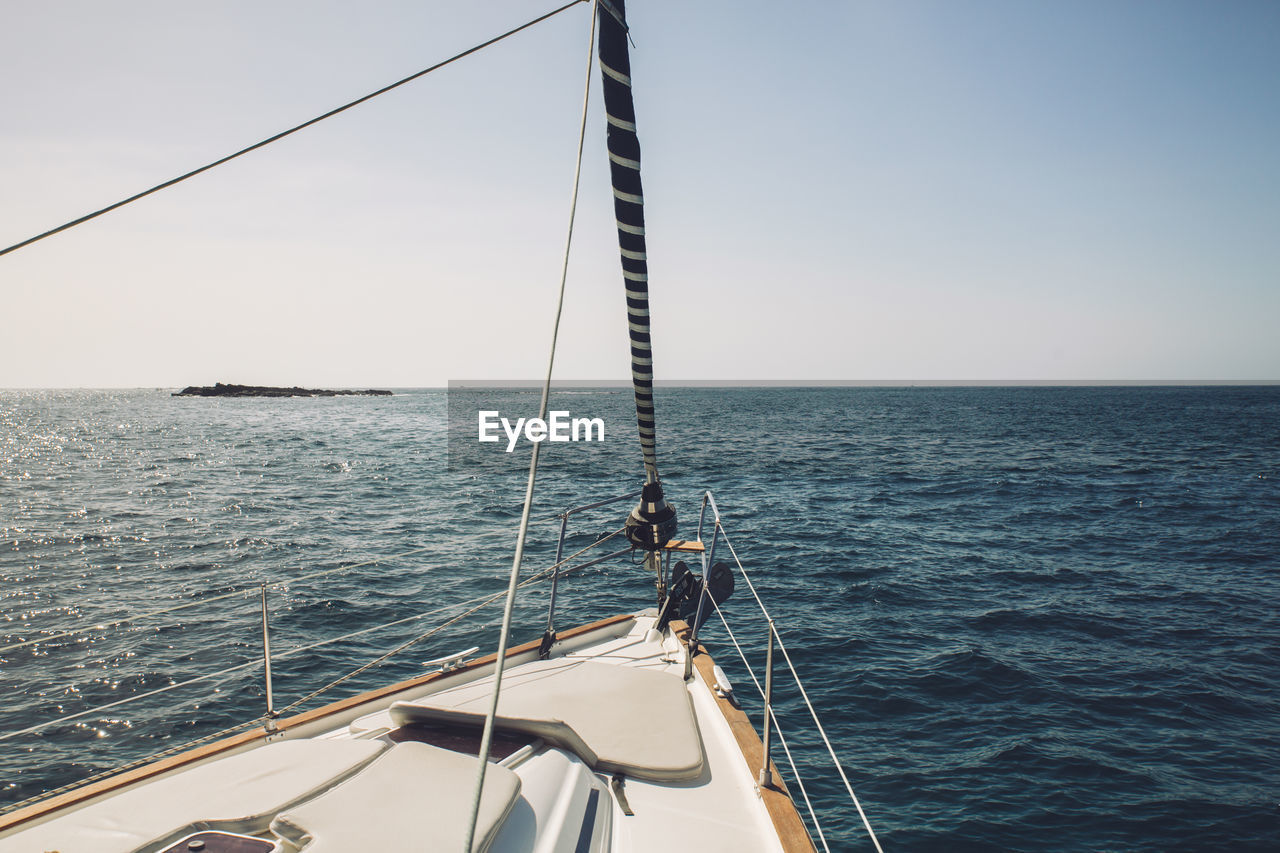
(549, 635)
(560, 568)
(769, 723)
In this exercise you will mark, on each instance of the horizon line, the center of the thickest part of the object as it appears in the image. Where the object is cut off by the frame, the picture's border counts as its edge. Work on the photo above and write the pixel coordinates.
(734, 383)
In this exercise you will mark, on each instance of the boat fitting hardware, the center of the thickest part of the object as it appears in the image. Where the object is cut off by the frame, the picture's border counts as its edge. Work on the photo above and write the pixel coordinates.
(448, 663)
(620, 794)
(270, 724)
(687, 597)
(544, 652)
(545, 646)
(765, 779)
(722, 686)
(653, 522)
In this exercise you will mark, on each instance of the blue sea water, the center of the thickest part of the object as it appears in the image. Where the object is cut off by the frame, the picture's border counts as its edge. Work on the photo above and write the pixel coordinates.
(1034, 619)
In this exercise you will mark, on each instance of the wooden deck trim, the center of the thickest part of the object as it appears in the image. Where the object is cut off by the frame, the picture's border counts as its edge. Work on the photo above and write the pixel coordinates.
(787, 822)
(691, 546)
(164, 765)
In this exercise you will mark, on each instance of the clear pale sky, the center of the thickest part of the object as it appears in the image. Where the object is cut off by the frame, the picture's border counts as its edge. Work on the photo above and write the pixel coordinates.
(842, 191)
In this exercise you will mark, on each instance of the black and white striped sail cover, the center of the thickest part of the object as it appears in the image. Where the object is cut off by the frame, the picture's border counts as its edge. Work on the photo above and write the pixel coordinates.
(651, 524)
(628, 206)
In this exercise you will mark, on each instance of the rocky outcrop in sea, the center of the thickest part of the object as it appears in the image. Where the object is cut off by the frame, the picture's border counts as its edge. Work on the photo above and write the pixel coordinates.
(221, 390)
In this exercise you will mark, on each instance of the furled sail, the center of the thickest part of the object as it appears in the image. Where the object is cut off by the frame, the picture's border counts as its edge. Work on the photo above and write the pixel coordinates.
(653, 522)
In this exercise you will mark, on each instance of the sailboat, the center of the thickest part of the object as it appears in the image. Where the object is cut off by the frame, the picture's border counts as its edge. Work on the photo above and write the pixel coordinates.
(618, 735)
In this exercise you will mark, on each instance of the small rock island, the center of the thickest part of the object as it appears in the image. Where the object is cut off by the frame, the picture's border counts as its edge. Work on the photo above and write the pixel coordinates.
(221, 390)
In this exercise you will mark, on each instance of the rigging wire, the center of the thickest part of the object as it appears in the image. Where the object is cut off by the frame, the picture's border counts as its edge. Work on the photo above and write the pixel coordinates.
(201, 599)
(185, 745)
(486, 739)
(73, 223)
(782, 739)
(803, 693)
(489, 599)
(484, 600)
(135, 697)
(718, 530)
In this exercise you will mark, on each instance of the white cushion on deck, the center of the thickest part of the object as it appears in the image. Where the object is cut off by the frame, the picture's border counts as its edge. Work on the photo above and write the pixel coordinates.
(615, 718)
(239, 793)
(416, 797)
